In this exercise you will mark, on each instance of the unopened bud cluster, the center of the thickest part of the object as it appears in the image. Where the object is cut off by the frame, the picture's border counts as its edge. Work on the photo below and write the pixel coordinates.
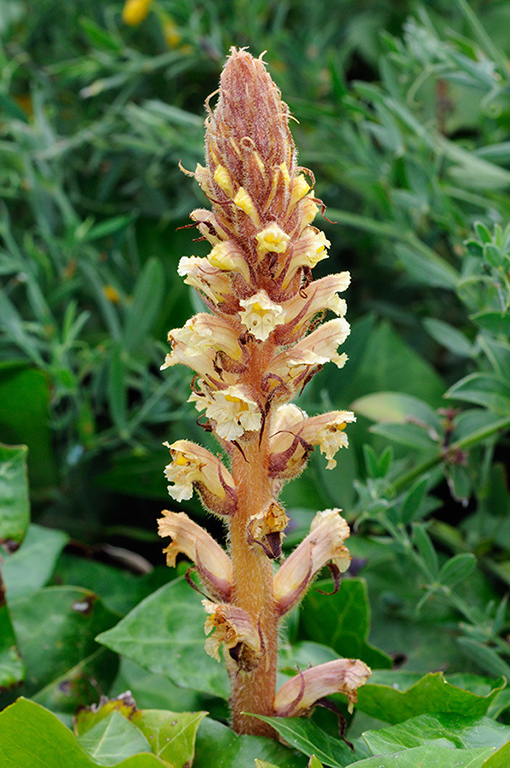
(253, 352)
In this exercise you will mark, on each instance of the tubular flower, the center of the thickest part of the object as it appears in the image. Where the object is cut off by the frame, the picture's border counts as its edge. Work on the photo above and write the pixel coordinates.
(190, 539)
(194, 467)
(259, 344)
(135, 11)
(298, 695)
(324, 544)
(266, 528)
(232, 410)
(233, 627)
(260, 315)
(294, 435)
(294, 365)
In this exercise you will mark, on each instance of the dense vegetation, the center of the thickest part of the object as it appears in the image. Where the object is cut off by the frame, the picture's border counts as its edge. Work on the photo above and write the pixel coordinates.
(403, 113)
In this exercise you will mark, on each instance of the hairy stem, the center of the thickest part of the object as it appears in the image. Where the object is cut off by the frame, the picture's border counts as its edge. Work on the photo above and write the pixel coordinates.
(253, 691)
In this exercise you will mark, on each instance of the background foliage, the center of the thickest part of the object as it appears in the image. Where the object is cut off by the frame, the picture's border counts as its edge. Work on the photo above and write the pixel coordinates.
(402, 111)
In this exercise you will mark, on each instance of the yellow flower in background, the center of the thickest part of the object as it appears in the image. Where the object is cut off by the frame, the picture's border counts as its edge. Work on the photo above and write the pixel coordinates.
(135, 11)
(171, 33)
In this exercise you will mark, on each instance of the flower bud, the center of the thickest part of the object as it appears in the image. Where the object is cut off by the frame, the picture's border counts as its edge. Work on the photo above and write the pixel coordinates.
(213, 563)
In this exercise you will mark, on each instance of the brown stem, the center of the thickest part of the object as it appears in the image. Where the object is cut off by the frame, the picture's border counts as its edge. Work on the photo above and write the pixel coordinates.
(253, 691)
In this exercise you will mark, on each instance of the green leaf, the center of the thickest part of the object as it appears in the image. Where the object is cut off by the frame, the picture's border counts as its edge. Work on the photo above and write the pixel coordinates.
(219, 746)
(500, 759)
(426, 550)
(486, 658)
(314, 762)
(24, 418)
(165, 634)
(397, 696)
(449, 337)
(457, 569)
(396, 408)
(113, 739)
(341, 621)
(117, 389)
(306, 736)
(32, 736)
(430, 756)
(147, 298)
(485, 389)
(412, 503)
(12, 669)
(30, 567)
(423, 269)
(171, 735)
(56, 628)
(461, 732)
(14, 504)
(496, 322)
(412, 435)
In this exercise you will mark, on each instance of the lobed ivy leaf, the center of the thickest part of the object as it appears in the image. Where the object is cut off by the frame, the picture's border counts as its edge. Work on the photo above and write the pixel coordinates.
(430, 756)
(165, 635)
(12, 669)
(169, 735)
(56, 628)
(14, 503)
(341, 621)
(113, 739)
(219, 746)
(32, 736)
(448, 730)
(31, 566)
(394, 696)
(306, 736)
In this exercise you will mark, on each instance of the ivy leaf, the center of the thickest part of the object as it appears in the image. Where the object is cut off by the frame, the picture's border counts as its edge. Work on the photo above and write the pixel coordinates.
(430, 757)
(460, 732)
(14, 504)
(306, 736)
(165, 635)
(113, 739)
(394, 696)
(218, 745)
(55, 628)
(341, 621)
(32, 736)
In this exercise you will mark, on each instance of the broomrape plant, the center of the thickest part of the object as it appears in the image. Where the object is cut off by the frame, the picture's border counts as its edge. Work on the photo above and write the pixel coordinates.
(262, 341)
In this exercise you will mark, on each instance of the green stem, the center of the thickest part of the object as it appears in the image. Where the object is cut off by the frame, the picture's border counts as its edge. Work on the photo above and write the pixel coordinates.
(467, 442)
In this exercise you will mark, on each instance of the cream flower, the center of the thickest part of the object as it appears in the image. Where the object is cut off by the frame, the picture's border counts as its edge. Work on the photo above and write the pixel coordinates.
(213, 563)
(272, 239)
(318, 348)
(227, 257)
(211, 281)
(324, 544)
(298, 695)
(195, 467)
(294, 435)
(199, 342)
(317, 297)
(233, 627)
(261, 315)
(232, 409)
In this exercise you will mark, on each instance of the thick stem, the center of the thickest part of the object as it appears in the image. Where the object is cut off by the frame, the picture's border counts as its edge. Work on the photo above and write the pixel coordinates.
(253, 586)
